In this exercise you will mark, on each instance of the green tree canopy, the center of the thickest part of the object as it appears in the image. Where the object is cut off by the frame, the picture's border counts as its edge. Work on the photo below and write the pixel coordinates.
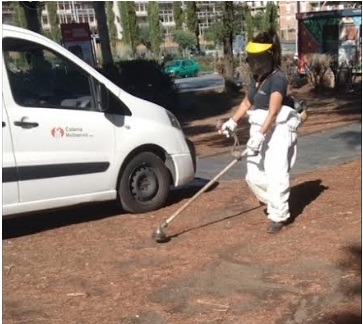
(144, 36)
(248, 23)
(178, 14)
(154, 27)
(258, 24)
(269, 21)
(184, 38)
(192, 20)
(55, 33)
(242, 24)
(19, 14)
(111, 20)
(129, 23)
(215, 32)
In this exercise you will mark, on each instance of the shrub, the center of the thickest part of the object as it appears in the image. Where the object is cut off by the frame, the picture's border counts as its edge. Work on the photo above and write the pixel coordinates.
(289, 66)
(169, 56)
(206, 63)
(317, 66)
(244, 74)
(144, 79)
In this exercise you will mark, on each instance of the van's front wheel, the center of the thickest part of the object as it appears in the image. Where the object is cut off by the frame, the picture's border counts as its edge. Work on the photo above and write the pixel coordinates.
(144, 184)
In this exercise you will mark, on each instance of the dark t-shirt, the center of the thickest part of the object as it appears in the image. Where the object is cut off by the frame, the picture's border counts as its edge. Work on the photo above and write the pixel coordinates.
(260, 98)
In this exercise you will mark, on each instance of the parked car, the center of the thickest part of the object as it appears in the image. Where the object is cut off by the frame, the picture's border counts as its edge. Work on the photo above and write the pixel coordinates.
(182, 68)
(71, 136)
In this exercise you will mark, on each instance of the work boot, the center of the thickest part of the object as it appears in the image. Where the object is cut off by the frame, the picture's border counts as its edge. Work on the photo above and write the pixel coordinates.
(275, 227)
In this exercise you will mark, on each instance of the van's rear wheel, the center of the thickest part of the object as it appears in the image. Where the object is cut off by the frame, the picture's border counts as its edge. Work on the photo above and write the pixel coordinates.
(144, 184)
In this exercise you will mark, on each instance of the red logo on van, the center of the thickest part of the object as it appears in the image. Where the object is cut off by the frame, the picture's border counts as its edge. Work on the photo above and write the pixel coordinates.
(57, 132)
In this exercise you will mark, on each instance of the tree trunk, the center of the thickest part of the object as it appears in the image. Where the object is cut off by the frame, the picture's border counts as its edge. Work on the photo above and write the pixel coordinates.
(230, 84)
(31, 15)
(99, 7)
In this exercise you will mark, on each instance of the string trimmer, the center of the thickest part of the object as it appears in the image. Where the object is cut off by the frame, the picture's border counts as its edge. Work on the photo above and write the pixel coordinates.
(159, 234)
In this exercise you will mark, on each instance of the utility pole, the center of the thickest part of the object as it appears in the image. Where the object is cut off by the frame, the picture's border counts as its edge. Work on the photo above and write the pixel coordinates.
(297, 28)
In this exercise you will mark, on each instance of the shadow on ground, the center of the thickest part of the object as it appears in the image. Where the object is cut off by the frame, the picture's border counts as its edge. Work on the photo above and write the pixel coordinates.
(43, 221)
(304, 194)
(219, 220)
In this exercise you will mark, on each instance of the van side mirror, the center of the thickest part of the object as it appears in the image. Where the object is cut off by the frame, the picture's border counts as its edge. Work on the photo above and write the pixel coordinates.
(102, 97)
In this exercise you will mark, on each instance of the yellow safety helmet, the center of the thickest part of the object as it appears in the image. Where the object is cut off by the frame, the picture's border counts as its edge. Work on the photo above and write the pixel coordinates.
(256, 48)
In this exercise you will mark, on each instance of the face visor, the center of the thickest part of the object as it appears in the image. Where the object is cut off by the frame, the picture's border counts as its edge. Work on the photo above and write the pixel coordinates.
(259, 58)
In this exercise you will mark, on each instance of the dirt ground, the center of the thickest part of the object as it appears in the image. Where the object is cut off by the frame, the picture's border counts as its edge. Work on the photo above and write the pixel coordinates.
(94, 264)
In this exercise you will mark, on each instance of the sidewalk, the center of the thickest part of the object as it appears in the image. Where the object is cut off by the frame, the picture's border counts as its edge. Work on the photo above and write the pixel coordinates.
(316, 150)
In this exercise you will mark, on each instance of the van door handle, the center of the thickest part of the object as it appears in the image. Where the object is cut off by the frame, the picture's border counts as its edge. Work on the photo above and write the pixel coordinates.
(25, 124)
(4, 124)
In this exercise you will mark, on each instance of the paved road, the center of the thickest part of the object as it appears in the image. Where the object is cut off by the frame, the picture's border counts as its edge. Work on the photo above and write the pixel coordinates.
(203, 82)
(314, 151)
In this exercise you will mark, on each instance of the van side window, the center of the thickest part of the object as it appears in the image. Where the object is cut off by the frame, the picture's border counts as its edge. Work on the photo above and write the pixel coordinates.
(39, 77)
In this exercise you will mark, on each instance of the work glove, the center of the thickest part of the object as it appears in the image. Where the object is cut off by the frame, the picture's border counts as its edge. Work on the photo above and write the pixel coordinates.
(255, 142)
(228, 127)
(303, 116)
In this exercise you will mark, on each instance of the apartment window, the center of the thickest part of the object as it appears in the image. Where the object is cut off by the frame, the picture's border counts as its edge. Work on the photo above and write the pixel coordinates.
(140, 7)
(166, 16)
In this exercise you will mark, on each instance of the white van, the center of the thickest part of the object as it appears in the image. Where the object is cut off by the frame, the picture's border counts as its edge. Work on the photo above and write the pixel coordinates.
(71, 136)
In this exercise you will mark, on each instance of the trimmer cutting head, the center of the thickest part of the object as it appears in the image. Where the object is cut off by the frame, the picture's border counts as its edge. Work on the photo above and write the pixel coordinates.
(160, 236)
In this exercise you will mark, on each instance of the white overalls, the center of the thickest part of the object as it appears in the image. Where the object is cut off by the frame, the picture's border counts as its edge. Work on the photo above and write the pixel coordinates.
(268, 172)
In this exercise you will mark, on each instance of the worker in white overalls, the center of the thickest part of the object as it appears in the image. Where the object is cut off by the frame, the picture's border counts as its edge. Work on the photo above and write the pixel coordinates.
(273, 129)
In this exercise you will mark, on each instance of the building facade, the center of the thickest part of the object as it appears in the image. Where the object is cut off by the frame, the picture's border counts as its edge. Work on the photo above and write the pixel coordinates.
(72, 11)
(208, 12)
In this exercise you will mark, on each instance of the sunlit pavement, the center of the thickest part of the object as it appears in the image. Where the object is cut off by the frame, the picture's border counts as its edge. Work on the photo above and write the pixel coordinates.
(336, 146)
(202, 82)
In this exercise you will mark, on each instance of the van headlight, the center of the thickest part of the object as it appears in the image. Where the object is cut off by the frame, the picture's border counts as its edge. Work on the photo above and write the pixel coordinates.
(173, 120)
